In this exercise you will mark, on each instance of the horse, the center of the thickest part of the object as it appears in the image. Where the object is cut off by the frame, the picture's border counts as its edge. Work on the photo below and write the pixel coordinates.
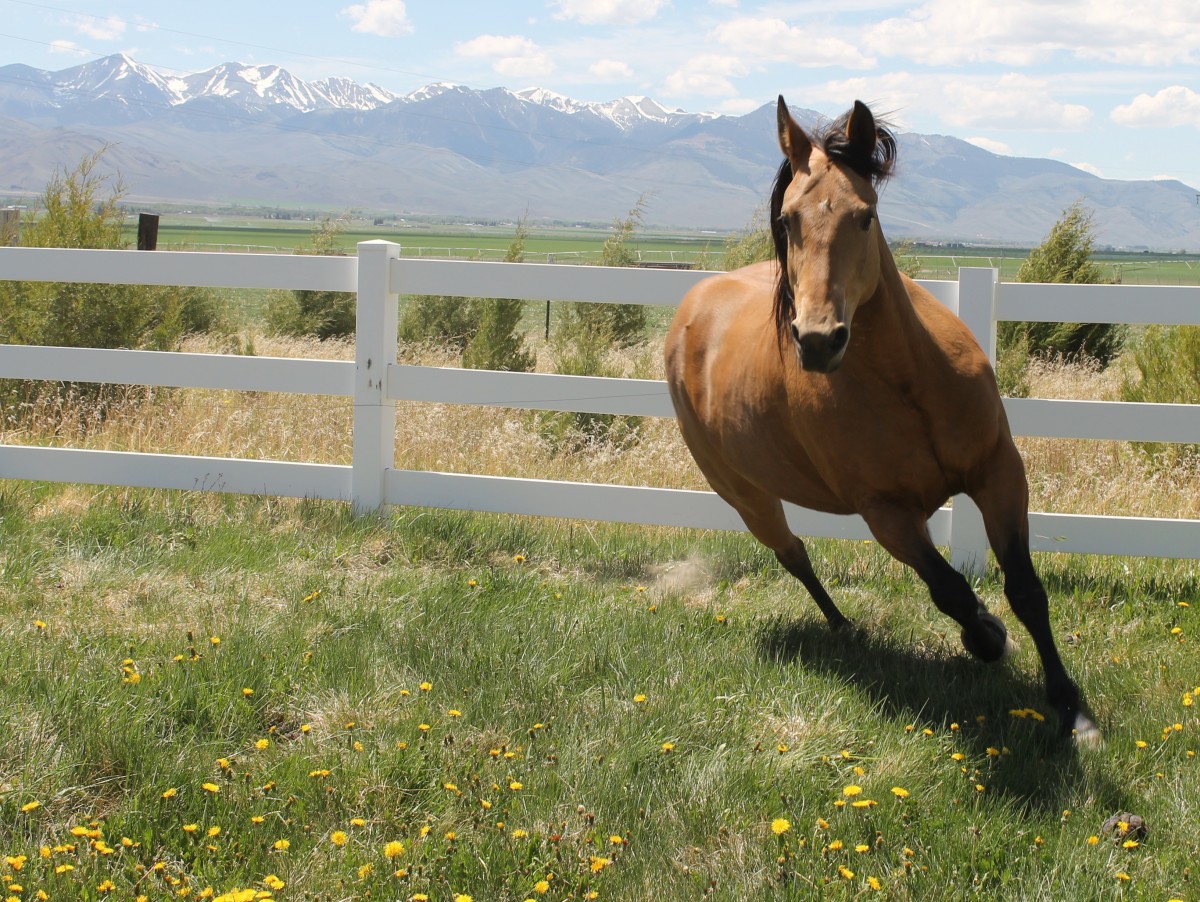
(828, 379)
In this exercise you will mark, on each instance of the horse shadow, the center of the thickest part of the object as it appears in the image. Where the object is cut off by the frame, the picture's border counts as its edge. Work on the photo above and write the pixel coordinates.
(933, 688)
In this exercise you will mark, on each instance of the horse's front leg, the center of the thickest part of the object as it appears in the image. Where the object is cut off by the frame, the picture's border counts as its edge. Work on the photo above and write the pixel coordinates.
(1004, 503)
(905, 536)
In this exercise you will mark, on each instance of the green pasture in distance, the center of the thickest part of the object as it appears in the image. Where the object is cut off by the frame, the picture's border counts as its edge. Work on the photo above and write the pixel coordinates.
(554, 244)
(582, 244)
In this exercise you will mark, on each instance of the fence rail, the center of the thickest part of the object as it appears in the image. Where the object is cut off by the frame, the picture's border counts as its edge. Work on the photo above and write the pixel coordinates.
(379, 274)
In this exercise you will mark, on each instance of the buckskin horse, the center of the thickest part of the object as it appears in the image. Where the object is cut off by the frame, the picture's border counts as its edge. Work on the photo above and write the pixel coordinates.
(827, 379)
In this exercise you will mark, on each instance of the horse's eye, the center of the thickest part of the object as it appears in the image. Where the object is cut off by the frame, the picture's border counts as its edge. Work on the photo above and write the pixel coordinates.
(867, 220)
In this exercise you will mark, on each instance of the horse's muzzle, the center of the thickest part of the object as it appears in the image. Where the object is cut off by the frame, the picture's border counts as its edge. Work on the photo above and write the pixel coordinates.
(821, 352)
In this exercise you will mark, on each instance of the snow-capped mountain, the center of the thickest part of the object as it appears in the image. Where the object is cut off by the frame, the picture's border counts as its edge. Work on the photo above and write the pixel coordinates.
(259, 135)
(132, 84)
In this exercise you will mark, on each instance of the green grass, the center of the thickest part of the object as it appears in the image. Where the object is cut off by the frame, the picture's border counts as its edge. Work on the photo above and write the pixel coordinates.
(610, 710)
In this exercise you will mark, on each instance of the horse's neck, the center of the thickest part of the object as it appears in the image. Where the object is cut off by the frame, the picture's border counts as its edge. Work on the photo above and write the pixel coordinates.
(904, 339)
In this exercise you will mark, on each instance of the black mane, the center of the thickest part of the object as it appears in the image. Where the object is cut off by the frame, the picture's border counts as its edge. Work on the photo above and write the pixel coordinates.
(834, 143)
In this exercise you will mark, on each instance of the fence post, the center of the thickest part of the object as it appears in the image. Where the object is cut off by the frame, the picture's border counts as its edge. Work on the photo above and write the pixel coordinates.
(976, 308)
(376, 324)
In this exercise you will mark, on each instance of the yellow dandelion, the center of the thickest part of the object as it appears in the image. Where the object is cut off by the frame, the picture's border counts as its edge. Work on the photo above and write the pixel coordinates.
(639, 699)
(861, 848)
(845, 872)
(257, 819)
(863, 803)
(780, 826)
(873, 883)
(668, 747)
(1130, 844)
(957, 756)
(900, 792)
(516, 786)
(262, 744)
(393, 849)
(1093, 840)
(599, 863)
(462, 897)
(30, 806)
(338, 837)
(425, 686)
(214, 830)
(190, 828)
(835, 845)
(423, 727)
(247, 692)
(542, 887)
(851, 791)
(358, 822)
(1122, 876)
(518, 558)
(211, 787)
(305, 728)
(454, 712)
(282, 845)
(273, 882)
(520, 834)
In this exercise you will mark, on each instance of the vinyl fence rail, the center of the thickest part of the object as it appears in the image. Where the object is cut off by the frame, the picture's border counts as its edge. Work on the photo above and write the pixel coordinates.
(376, 382)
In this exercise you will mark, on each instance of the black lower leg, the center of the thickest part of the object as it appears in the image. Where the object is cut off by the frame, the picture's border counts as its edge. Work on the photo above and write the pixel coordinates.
(795, 560)
(1028, 599)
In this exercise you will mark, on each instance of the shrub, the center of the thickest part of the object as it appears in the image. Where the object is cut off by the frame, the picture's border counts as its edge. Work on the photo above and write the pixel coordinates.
(74, 214)
(1168, 361)
(624, 325)
(485, 330)
(1065, 256)
(323, 314)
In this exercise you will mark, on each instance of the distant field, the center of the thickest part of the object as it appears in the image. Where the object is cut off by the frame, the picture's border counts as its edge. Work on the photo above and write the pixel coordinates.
(562, 245)
(582, 245)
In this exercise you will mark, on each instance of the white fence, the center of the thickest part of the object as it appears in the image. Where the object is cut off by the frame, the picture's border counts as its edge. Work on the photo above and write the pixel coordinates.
(376, 382)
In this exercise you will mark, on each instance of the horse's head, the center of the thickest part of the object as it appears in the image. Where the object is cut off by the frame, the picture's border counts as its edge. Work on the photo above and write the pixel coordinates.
(826, 230)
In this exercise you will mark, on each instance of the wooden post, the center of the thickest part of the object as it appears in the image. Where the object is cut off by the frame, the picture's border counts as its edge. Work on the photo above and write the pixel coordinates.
(976, 308)
(10, 228)
(147, 231)
(376, 326)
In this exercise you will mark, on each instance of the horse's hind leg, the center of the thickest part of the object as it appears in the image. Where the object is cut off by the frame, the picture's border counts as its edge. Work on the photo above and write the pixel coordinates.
(764, 517)
(795, 560)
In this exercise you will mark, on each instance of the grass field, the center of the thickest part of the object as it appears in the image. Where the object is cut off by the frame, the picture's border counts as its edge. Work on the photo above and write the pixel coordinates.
(221, 697)
(582, 245)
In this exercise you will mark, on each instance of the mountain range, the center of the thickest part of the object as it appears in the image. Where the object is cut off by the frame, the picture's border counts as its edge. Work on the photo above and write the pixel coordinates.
(259, 136)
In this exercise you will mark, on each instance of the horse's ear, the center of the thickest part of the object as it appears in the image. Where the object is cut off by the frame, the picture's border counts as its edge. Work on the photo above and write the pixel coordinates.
(861, 134)
(792, 140)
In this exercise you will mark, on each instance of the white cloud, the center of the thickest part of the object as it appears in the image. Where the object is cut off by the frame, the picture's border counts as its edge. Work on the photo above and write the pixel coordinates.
(1024, 32)
(609, 12)
(64, 46)
(706, 75)
(610, 70)
(511, 55)
(991, 145)
(776, 41)
(386, 18)
(1011, 101)
(1170, 107)
(100, 29)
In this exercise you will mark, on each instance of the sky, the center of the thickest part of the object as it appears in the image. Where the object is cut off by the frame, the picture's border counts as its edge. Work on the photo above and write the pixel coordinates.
(1111, 87)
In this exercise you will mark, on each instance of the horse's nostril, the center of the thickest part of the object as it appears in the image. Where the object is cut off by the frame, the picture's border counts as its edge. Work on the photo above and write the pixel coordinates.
(839, 339)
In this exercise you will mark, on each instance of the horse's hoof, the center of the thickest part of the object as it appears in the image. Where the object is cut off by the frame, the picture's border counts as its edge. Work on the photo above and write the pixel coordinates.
(1085, 734)
(990, 642)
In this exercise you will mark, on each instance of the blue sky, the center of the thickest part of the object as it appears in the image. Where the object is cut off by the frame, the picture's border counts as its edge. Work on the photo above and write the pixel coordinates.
(1112, 87)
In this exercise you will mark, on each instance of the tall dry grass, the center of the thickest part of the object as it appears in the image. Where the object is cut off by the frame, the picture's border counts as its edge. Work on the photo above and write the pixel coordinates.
(1065, 476)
